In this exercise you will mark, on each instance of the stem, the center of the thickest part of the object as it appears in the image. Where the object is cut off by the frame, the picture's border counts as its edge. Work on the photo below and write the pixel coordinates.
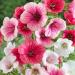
(60, 61)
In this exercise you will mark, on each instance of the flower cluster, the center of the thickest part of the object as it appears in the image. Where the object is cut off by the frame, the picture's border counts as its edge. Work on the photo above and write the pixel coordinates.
(37, 44)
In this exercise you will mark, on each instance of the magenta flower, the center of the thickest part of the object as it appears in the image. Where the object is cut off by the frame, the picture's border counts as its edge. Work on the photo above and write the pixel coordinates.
(54, 6)
(54, 27)
(53, 70)
(70, 14)
(31, 52)
(18, 12)
(57, 72)
(1, 38)
(17, 55)
(34, 15)
(70, 34)
(24, 30)
(9, 28)
(42, 38)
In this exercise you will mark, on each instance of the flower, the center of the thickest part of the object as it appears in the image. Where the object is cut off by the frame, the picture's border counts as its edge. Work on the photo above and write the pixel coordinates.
(54, 27)
(69, 34)
(8, 49)
(36, 70)
(34, 15)
(24, 30)
(8, 63)
(17, 55)
(54, 6)
(31, 52)
(70, 14)
(9, 28)
(42, 38)
(70, 67)
(18, 12)
(1, 38)
(53, 70)
(63, 47)
(50, 57)
(69, 17)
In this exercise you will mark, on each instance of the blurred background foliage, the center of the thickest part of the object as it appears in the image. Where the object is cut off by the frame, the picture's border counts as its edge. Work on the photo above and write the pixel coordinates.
(7, 8)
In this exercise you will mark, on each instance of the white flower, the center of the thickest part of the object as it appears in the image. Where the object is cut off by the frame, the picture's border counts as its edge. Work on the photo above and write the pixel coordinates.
(63, 47)
(8, 49)
(50, 57)
(70, 65)
(36, 70)
(8, 63)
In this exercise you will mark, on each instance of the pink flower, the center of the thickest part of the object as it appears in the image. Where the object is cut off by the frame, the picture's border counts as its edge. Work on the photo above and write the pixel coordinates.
(70, 34)
(24, 30)
(53, 70)
(57, 72)
(70, 14)
(1, 38)
(54, 27)
(54, 6)
(9, 28)
(31, 52)
(42, 38)
(34, 15)
(18, 12)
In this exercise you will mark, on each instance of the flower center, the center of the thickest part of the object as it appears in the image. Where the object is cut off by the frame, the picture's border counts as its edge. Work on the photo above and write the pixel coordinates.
(49, 59)
(64, 45)
(43, 35)
(70, 36)
(8, 66)
(37, 16)
(35, 71)
(52, 5)
(54, 25)
(25, 27)
(31, 53)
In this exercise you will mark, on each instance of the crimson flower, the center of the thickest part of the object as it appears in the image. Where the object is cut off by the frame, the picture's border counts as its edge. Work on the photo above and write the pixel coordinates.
(70, 34)
(70, 14)
(31, 52)
(54, 6)
(16, 53)
(24, 30)
(18, 12)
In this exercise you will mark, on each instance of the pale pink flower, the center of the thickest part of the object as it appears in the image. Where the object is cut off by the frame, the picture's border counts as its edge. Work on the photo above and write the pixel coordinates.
(42, 38)
(54, 27)
(36, 70)
(8, 49)
(34, 15)
(9, 28)
(8, 63)
(50, 57)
